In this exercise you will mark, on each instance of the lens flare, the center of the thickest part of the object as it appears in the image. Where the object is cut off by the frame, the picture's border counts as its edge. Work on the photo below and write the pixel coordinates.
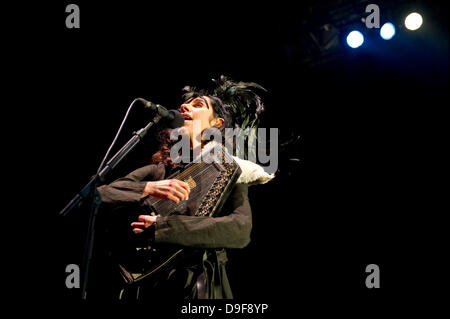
(387, 31)
(413, 21)
(355, 39)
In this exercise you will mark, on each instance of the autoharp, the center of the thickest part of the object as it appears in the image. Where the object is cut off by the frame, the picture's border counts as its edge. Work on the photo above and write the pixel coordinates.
(211, 178)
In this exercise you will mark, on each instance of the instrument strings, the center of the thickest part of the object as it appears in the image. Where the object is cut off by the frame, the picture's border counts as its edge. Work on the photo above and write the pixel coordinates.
(194, 171)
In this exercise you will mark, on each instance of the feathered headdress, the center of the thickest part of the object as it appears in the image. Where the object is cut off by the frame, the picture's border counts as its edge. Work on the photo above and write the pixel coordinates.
(239, 104)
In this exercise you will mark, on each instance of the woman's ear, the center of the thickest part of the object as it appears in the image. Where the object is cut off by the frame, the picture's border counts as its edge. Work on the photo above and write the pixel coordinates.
(217, 122)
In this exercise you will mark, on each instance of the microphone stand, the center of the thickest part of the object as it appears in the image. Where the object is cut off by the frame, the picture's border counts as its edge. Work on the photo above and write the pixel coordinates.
(90, 193)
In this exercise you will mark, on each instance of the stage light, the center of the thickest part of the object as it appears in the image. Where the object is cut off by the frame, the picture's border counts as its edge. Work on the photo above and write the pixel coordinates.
(355, 39)
(387, 31)
(413, 21)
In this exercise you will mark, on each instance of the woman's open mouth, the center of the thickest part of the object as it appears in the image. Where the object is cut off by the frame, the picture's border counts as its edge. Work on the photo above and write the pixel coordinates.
(187, 117)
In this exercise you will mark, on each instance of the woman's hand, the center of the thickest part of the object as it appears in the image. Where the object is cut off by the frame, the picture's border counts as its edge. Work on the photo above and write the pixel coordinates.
(145, 221)
(172, 189)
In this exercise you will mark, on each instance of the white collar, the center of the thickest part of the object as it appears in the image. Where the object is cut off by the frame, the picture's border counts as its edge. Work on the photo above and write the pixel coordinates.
(252, 173)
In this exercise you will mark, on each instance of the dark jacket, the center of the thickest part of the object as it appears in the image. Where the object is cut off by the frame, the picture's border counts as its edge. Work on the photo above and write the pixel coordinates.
(230, 229)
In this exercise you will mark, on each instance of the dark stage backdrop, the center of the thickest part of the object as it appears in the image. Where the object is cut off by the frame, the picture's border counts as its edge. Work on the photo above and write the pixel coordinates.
(368, 124)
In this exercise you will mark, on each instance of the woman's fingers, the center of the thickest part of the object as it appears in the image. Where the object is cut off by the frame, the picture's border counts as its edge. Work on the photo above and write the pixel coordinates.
(179, 193)
(176, 190)
(180, 189)
(172, 189)
(185, 186)
(145, 221)
(173, 198)
(138, 224)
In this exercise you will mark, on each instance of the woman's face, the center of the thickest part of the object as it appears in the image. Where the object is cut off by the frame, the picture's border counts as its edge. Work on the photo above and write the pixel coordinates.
(199, 110)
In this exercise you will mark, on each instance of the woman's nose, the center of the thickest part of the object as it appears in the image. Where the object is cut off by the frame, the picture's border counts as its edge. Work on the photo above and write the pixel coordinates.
(184, 108)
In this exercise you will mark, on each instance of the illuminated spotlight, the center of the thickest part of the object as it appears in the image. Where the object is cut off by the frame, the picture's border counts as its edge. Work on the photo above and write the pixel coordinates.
(355, 39)
(413, 21)
(387, 31)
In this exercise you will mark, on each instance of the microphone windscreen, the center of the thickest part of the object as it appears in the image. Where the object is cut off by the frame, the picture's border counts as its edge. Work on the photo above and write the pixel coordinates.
(178, 119)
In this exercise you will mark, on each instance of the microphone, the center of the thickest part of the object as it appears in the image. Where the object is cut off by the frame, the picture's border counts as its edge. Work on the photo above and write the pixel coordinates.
(174, 118)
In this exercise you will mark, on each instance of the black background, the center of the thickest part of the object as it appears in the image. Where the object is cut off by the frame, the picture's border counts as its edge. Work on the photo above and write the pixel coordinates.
(370, 125)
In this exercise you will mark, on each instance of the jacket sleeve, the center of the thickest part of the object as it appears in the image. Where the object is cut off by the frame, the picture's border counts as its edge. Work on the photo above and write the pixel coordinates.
(232, 230)
(128, 189)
